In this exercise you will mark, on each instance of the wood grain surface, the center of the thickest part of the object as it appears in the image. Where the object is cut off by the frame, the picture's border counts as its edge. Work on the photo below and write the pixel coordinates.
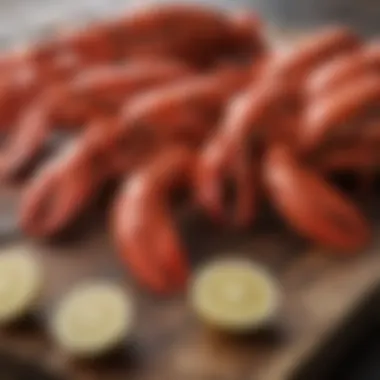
(319, 290)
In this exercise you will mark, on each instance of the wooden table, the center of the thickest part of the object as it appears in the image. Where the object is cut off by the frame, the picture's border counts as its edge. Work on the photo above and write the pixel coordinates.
(319, 292)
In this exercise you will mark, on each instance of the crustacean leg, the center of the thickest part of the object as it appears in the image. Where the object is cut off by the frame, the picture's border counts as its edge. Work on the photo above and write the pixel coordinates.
(58, 193)
(254, 116)
(196, 34)
(188, 108)
(143, 229)
(352, 103)
(343, 69)
(214, 170)
(356, 152)
(64, 186)
(310, 205)
(95, 92)
(313, 51)
(356, 158)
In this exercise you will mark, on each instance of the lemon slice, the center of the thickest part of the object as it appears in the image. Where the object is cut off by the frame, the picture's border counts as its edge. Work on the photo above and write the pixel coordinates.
(92, 319)
(234, 295)
(20, 283)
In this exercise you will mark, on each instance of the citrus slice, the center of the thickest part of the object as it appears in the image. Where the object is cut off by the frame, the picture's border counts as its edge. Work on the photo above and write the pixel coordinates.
(92, 319)
(20, 283)
(234, 295)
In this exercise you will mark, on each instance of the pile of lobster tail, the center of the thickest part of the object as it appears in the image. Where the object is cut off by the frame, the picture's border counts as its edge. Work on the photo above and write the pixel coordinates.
(187, 97)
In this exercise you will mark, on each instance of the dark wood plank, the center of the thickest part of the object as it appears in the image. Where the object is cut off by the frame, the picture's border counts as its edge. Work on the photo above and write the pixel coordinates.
(319, 290)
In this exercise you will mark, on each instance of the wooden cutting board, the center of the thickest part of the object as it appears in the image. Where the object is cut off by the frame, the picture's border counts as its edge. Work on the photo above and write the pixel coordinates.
(319, 290)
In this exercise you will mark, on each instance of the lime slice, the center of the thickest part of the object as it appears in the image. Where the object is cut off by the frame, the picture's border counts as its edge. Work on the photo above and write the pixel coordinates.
(234, 295)
(20, 283)
(92, 319)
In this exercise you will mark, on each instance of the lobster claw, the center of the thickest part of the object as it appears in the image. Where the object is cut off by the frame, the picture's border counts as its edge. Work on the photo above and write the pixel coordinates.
(142, 227)
(310, 205)
(214, 169)
(56, 195)
(29, 137)
(329, 114)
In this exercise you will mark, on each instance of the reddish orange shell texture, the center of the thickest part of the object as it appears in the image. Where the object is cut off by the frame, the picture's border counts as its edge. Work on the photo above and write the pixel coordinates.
(187, 96)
